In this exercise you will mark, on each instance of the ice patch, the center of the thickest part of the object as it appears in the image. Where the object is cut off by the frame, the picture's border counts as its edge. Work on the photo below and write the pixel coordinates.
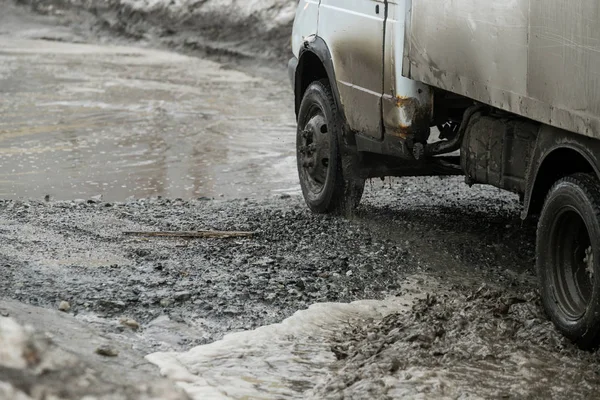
(283, 360)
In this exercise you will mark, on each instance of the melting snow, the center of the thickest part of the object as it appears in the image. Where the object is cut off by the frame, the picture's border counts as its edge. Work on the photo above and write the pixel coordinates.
(275, 361)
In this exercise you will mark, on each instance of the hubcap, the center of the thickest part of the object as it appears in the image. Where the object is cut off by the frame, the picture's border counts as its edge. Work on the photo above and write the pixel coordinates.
(574, 270)
(314, 151)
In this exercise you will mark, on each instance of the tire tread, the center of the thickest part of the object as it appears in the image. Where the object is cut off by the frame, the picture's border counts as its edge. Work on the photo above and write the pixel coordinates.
(347, 190)
(589, 185)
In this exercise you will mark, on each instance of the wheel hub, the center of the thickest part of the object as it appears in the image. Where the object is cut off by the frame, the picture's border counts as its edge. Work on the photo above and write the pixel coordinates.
(574, 258)
(315, 151)
(589, 262)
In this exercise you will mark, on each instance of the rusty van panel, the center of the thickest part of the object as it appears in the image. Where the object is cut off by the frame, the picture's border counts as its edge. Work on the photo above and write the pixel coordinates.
(407, 107)
(536, 58)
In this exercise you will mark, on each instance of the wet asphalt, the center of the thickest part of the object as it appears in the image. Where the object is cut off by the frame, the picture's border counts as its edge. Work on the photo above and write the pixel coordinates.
(79, 120)
(97, 141)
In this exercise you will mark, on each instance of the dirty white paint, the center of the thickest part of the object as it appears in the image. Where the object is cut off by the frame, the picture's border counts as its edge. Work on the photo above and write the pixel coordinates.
(366, 43)
(535, 58)
(305, 23)
(353, 32)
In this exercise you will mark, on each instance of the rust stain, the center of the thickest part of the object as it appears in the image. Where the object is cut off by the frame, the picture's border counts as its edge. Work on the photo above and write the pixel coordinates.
(402, 101)
(413, 117)
(403, 134)
(409, 105)
(407, 117)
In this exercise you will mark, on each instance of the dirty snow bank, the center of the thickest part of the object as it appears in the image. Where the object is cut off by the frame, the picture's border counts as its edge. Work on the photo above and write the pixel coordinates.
(430, 342)
(276, 361)
(33, 367)
(253, 28)
(487, 343)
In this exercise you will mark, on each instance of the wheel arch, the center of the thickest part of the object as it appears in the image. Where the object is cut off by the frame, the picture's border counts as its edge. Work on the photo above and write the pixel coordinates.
(315, 63)
(558, 153)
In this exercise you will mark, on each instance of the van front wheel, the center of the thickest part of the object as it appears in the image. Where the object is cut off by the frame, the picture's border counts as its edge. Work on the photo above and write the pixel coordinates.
(327, 176)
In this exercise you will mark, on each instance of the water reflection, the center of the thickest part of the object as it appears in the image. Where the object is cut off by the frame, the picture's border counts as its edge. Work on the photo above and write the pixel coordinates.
(83, 120)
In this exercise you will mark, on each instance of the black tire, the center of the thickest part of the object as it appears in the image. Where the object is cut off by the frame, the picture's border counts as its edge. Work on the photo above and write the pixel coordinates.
(568, 258)
(327, 167)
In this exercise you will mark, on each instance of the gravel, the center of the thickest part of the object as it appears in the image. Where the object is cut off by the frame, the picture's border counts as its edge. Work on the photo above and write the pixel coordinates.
(484, 320)
(78, 252)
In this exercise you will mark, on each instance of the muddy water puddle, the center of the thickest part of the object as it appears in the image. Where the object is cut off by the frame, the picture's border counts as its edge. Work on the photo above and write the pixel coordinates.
(84, 120)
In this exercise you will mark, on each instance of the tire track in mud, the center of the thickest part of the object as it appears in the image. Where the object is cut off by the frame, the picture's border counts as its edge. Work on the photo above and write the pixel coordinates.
(488, 249)
(456, 233)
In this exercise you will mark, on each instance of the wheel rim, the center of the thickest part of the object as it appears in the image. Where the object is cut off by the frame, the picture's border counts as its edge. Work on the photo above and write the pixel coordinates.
(314, 150)
(573, 263)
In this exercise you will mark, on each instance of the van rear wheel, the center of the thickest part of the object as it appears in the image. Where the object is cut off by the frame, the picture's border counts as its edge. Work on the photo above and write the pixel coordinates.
(327, 171)
(568, 250)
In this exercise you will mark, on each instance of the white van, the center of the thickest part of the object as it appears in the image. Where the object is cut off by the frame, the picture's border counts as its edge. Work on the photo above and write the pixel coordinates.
(504, 93)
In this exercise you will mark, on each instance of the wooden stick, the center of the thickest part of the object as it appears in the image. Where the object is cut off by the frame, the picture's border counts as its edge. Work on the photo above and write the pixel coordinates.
(192, 234)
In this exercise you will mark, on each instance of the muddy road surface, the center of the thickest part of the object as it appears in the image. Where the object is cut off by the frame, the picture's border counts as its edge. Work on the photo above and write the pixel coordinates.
(82, 119)
(464, 252)
(100, 145)
(81, 252)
